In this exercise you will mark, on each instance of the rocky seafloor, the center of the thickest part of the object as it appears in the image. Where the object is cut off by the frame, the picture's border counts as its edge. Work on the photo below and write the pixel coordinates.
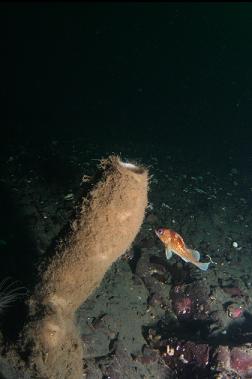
(150, 318)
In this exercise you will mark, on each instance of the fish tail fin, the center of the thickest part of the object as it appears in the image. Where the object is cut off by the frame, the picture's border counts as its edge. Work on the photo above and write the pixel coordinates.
(203, 266)
(195, 254)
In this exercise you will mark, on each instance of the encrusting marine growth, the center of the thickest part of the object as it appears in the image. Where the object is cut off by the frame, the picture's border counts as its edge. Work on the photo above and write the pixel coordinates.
(106, 224)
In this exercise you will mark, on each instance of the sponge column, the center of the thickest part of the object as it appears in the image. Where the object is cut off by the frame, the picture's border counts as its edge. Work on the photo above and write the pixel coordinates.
(106, 223)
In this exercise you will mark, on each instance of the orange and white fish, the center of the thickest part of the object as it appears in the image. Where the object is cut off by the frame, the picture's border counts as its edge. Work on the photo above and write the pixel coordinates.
(174, 243)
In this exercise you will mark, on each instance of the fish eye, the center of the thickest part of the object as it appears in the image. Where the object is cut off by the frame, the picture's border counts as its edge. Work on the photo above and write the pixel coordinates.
(160, 231)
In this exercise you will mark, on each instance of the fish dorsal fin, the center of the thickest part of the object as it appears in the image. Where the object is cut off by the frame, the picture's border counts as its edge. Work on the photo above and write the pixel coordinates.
(168, 253)
(196, 255)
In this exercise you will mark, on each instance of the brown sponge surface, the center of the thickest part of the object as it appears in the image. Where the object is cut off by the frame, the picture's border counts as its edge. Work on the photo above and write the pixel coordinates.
(108, 222)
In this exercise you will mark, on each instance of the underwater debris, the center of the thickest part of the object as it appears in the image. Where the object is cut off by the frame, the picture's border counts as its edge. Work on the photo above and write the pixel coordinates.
(69, 196)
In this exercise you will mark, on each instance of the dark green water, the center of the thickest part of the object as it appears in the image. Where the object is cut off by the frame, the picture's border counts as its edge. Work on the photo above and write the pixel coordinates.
(176, 74)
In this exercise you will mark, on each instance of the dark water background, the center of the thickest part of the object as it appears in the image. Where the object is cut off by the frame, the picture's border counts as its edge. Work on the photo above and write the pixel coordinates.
(173, 74)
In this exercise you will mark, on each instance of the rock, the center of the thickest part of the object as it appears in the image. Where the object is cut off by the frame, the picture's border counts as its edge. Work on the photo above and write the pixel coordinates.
(236, 360)
(190, 302)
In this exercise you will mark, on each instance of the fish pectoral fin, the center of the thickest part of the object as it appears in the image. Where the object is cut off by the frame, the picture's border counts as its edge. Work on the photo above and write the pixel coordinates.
(196, 255)
(168, 253)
